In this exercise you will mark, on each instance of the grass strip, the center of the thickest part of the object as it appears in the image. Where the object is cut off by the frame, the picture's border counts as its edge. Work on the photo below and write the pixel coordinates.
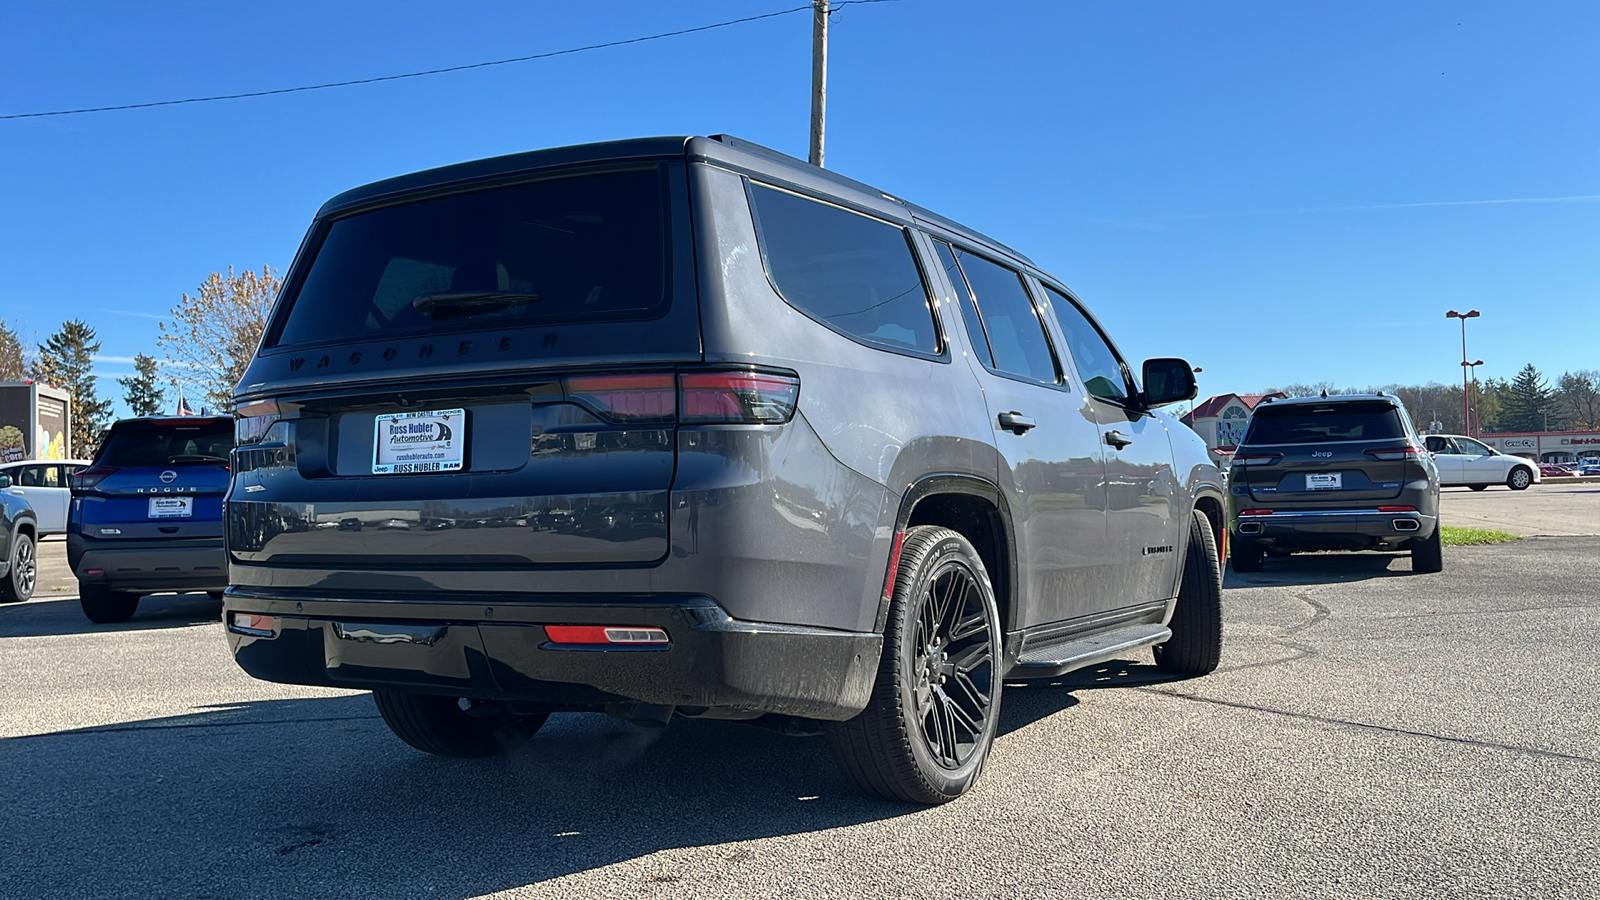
(1461, 537)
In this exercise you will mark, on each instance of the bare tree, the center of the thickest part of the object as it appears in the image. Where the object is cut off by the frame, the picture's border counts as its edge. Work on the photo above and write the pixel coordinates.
(214, 334)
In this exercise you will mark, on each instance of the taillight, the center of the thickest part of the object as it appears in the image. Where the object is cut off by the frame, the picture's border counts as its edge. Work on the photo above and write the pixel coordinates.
(1397, 453)
(87, 479)
(748, 397)
(1256, 459)
(252, 421)
(626, 398)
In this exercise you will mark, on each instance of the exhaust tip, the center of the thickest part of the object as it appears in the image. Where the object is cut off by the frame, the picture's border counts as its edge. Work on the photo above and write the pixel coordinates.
(1251, 528)
(1405, 524)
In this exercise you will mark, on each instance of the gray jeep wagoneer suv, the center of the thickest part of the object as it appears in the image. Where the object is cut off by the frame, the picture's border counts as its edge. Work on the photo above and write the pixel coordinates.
(686, 427)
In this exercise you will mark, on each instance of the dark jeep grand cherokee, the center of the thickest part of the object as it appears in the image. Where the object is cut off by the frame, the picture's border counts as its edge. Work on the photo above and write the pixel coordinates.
(686, 427)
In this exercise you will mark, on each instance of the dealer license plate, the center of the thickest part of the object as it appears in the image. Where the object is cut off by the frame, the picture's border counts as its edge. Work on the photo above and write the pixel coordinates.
(1324, 481)
(171, 507)
(411, 442)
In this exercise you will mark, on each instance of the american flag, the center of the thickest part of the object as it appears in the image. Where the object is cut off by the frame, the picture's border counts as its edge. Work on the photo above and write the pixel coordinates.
(183, 404)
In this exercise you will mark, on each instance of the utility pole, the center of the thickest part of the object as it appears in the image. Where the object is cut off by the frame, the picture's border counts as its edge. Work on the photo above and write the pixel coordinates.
(819, 77)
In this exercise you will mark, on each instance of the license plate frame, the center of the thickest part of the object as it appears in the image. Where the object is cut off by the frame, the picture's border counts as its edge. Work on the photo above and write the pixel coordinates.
(1324, 481)
(419, 442)
(173, 507)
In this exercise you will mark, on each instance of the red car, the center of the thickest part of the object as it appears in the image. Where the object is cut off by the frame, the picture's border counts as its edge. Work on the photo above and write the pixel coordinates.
(1552, 469)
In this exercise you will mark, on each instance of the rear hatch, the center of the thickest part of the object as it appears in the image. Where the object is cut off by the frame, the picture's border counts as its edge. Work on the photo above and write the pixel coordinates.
(1334, 455)
(479, 375)
(155, 479)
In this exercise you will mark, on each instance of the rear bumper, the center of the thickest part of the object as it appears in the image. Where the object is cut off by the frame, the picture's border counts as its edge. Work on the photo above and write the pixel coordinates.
(1334, 529)
(498, 649)
(181, 565)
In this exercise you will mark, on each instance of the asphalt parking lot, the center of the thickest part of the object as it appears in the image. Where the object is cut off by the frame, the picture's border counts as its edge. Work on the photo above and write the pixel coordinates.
(1370, 734)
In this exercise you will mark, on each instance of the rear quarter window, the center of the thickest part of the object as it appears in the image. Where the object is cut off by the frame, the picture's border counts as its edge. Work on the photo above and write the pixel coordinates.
(1357, 421)
(854, 274)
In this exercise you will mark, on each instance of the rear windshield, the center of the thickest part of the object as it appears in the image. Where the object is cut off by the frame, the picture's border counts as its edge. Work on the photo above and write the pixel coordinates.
(1354, 421)
(134, 444)
(573, 249)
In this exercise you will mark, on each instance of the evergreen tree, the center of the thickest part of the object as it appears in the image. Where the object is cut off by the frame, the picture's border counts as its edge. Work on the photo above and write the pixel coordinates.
(141, 391)
(1526, 404)
(12, 365)
(65, 361)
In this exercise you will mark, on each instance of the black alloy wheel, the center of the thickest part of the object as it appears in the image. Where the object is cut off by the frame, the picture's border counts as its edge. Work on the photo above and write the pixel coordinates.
(927, 731)
(24, 572)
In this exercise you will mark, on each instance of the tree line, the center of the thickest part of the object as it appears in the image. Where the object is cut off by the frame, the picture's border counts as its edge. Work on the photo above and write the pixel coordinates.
(205, 345)
(1526, 402)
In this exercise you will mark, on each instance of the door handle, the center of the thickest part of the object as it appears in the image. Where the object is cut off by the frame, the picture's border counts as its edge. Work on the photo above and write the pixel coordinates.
(1115, 439)
(1016, 422)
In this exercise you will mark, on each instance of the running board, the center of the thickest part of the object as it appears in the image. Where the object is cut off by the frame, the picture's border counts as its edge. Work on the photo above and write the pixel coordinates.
(1058, 659)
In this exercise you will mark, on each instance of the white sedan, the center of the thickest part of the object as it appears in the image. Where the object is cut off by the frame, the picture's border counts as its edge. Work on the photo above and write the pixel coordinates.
(43, 483)
(1465, 461)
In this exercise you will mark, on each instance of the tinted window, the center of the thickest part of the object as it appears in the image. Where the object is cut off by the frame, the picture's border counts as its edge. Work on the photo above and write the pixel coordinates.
(134, 444)
(1355, 421)
(1438, 444)
(564, 250)
(851, 272)
(1016, 336)
(1097, 363)
(969, 313)
(1472, 448)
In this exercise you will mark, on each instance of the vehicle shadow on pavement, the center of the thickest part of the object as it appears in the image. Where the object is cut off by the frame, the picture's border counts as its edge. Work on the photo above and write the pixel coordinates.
(314, 797)
(57, 616)
(1321, 568)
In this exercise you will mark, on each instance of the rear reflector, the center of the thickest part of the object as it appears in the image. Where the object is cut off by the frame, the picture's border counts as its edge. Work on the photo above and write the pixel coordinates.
(1255, 512)
(605, 634)
(253, 623)
(894, 564)
(1395, 509)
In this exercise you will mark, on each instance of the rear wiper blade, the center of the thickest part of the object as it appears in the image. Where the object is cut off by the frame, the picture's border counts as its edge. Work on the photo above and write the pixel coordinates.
(194, 457)
(460, 305)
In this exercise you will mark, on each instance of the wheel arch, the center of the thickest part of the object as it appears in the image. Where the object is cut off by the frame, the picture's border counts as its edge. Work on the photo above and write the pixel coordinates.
(976, 509)
(1212, 505)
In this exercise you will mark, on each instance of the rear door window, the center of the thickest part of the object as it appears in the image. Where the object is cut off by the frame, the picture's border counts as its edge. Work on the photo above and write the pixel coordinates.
(572, 249)
(853, 273)
(1006, 326)
(1354, 421)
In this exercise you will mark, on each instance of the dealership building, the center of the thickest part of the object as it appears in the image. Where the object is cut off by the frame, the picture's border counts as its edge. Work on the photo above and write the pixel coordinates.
(1547, 446)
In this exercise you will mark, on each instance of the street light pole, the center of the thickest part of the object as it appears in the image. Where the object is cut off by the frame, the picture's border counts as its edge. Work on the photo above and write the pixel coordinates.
(1466, 409)
(1476, 425)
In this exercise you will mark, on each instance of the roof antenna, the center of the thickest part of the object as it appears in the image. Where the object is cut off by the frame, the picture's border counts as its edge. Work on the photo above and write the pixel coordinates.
(1324, 393)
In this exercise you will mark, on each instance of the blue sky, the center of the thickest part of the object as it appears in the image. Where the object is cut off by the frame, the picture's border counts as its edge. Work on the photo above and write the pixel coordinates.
(1280, 192)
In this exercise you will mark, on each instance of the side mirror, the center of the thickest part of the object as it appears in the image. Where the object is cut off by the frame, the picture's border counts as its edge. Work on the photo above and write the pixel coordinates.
(1168, 380)
(5, 482)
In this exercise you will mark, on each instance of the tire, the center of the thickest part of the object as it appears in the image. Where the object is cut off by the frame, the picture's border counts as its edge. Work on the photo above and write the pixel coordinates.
(1427, 557)
(1520, 478)
(928, 728)
(23, 574)
(1479, 487)
(104, 606)
(442, 726)
(1195, 647)
(1245, 556)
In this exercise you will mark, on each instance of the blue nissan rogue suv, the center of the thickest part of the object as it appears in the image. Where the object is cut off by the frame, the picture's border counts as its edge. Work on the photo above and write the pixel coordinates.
(146, 516)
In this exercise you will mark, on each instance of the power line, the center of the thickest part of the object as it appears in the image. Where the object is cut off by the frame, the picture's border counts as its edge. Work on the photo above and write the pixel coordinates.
(461, 68)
